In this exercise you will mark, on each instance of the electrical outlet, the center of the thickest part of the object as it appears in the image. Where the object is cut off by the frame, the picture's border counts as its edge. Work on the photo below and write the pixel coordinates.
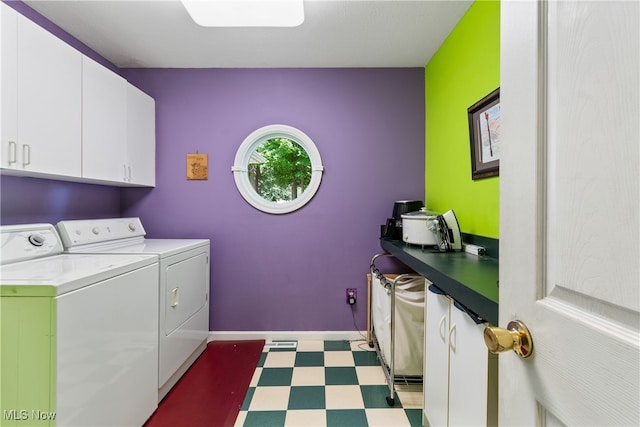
(351, 296)
(474, 250)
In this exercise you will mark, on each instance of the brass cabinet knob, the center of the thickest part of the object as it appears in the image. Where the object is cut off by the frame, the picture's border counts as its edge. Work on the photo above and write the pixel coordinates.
(516, 337)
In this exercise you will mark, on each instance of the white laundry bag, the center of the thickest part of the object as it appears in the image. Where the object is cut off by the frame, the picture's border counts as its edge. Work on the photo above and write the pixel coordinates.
(409, 322)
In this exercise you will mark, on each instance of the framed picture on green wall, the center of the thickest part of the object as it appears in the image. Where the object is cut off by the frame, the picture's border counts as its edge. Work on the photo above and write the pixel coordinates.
(484, 135)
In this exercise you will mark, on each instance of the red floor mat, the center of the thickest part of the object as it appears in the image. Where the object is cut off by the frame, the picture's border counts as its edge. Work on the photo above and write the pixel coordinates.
(211, 393)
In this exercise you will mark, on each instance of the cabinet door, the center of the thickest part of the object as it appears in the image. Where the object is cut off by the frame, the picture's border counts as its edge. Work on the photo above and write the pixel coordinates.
(8, 86)
(436, 356)
(468, 371)
(104, 124)
(49, 102)
(141, 137)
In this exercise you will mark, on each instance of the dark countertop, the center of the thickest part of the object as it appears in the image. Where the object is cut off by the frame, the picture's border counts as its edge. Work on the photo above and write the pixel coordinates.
(471, 280)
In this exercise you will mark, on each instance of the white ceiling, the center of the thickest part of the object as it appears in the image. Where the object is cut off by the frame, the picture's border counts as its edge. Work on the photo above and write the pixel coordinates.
(335, 33)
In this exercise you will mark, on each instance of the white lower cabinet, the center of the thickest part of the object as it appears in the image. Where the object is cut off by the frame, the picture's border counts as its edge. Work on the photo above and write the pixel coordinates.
(460, 376)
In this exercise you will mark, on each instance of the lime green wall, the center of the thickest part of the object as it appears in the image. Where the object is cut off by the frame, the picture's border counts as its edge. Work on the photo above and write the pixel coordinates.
(463, 71)
(27, 359)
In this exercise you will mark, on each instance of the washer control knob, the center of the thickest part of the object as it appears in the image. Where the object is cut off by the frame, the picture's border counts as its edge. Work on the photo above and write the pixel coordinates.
(95, 230)
(132, 227)
(36, 240)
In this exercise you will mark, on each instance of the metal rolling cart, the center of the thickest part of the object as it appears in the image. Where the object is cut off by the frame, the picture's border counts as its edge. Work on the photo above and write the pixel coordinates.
(396, 325)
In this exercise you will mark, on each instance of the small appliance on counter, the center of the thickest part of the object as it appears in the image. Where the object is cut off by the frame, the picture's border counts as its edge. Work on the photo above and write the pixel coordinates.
(393, 228)
(421, 228)
(427, 228)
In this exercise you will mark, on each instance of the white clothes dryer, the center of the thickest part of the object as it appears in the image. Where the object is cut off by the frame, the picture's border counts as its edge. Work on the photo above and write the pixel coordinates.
(183, 271)
(78, 332)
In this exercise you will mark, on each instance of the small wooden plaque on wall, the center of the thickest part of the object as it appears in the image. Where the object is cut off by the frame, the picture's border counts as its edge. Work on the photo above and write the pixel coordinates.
(197, 166)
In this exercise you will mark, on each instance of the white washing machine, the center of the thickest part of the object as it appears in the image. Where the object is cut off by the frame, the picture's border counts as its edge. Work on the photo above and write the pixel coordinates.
(78, 333)
(183, 284)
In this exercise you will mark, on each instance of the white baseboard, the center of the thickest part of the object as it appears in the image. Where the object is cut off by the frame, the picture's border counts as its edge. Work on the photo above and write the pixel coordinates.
(285, 335)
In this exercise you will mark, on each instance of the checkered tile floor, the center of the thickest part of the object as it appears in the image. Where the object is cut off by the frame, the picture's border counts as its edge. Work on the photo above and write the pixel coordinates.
(326, 383)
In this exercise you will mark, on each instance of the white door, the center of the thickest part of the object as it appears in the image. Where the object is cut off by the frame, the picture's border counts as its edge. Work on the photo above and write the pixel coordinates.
(569, 233)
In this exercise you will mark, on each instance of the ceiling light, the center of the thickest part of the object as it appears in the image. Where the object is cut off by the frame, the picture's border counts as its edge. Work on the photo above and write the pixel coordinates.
(246, 13)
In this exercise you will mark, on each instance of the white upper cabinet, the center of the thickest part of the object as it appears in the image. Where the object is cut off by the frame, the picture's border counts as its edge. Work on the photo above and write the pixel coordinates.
(141, 137)
(104, 123)
(49, 102)
(64, 116)
(8, 87)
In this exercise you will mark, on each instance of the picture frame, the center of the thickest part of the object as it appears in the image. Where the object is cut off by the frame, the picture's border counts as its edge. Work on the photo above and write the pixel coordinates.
(484, 136)
(197, 167)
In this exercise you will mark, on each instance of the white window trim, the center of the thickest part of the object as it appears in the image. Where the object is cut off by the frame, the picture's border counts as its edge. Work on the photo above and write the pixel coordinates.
(241, 167)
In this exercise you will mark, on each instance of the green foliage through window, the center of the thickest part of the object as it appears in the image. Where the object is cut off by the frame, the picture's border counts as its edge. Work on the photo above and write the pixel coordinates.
(285, 171)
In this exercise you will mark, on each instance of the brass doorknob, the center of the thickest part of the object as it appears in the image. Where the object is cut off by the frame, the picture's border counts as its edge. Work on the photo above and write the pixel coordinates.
(516, 337)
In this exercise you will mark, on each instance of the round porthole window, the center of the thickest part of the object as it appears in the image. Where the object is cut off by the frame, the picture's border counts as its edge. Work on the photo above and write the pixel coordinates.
(277, 169)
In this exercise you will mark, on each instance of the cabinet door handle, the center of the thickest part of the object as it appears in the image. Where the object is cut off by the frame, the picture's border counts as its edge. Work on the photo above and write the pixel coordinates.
(452, 338)
(124, 173)
(129, 175)
(13, 147)
(442, 327)
(26, 155)
(174, 297)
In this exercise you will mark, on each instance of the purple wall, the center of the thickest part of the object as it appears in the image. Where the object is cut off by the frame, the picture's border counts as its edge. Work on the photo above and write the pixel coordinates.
(30, 200)
(284, 272)
(269, 272)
